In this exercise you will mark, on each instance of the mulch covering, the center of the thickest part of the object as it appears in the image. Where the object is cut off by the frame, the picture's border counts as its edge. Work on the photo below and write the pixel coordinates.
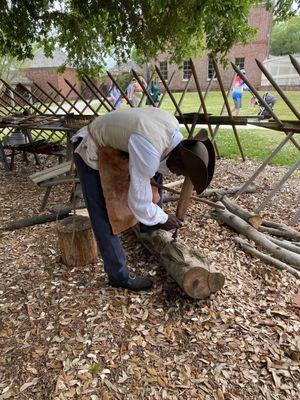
(65, 334)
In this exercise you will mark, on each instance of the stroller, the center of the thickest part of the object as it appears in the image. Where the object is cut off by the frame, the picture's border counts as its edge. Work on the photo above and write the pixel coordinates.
(263, 111)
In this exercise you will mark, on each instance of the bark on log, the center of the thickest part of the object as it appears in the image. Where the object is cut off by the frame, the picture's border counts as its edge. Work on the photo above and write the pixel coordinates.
(76, 241)
(287, 234)
(253, 219)
(285, 244)
(187, 267)
(212, 192)
(241, 226)
(266, 258)
(174, 184)
(223, 192)
(36, 219)
(277, 225)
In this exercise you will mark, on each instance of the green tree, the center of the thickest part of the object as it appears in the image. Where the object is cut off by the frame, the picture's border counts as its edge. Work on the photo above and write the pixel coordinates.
(285, 37)
(10, 68)
(88, 29)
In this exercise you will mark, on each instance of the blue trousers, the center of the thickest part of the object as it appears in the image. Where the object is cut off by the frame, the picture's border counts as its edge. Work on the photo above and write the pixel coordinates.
(109, 244)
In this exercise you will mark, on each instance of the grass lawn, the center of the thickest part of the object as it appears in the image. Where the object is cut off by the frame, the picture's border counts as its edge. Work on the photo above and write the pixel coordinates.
(214, 102)
(256, 143)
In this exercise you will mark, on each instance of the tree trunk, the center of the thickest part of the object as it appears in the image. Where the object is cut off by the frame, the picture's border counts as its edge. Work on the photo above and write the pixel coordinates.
(77, 242)
(187, 267)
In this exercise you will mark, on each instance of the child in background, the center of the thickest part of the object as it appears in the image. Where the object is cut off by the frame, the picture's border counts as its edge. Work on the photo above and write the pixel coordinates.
(238, 87)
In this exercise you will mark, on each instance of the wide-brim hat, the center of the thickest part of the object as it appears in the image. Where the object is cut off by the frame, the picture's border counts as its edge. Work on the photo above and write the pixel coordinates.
(198, 157)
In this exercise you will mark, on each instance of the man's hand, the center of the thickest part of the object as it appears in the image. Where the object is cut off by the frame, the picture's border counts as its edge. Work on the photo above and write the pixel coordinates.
(172, 223)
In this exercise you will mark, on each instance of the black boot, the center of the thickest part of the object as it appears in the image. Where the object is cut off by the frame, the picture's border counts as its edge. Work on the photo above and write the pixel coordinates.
(134, 282)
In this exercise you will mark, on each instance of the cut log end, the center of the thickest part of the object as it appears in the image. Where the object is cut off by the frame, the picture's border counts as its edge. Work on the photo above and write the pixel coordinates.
(199, 283)
(255, 221)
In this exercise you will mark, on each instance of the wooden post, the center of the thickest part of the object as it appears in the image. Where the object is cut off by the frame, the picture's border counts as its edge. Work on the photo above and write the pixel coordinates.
(185, 197)
(76, 241)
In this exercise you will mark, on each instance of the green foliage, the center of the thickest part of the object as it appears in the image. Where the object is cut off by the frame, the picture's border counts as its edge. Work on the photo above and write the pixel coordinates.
(124, 79)
(10, 68)
(89, 29)
(283, 9)
(285, 37)
(137, 57)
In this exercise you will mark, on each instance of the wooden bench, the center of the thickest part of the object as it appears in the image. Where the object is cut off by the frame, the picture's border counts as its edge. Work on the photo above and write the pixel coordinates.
(57, 175)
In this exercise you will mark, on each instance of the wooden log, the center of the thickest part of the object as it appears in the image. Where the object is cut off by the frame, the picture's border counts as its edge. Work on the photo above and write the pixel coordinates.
(266, 258)
(210, 192)
(287, 234)
(253, 219)
(77, 242)
(187, 267)
(173, 184)
(37, 219)
(222, 192)
(241, 226)
(285, 244)
(278, 225)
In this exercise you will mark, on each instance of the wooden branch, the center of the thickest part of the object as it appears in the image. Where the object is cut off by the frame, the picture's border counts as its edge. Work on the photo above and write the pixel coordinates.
(36, 219)
(266, 258)
(241, 226)
(222, 192)
(186, 266)
(210, 192)
(253, 219)
(285, 244)
(174, 184)
(278, 225)
(287, 234)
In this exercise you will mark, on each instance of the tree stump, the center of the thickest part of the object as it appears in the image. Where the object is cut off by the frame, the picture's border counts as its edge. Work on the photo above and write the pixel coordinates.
(76, 241)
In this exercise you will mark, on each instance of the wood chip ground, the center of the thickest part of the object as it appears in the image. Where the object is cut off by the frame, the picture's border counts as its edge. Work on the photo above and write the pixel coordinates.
(65, 334)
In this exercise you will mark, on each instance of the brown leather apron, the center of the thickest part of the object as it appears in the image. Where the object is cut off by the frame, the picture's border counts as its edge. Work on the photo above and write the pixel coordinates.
(115, 182)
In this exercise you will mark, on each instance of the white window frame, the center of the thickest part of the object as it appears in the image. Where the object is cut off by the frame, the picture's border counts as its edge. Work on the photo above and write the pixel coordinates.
(209, 78)
(167, 69)
(239, 58)
(183, 70)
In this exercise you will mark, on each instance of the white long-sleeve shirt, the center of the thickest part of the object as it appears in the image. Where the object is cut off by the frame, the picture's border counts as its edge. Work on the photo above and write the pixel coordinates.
(144, 162)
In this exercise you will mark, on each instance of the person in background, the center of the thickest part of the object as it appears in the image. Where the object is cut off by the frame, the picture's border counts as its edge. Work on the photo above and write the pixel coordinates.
(238, 87)
(153, 90)
(138, 91)
(115, 96)
(130, 91)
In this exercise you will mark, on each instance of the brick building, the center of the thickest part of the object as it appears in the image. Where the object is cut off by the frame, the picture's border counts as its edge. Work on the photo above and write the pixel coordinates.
(42, 70)
(243, 56)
